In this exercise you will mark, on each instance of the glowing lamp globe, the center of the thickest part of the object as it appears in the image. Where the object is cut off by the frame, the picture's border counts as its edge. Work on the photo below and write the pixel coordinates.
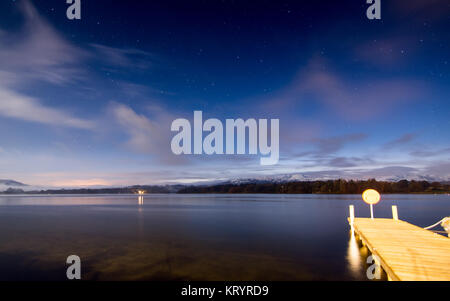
(371, 196)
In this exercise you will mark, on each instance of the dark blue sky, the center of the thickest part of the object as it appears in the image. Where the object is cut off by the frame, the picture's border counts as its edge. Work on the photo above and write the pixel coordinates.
(90, 101)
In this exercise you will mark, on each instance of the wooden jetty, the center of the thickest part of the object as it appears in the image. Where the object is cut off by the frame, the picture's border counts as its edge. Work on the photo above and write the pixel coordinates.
(404, 251)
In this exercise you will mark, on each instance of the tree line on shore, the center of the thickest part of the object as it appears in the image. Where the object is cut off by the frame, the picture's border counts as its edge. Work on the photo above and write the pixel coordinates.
(304, 187)
(324, 187)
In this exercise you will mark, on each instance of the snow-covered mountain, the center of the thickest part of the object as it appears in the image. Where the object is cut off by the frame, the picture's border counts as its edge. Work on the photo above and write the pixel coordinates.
(6, 184)
(283, 178)
(12, 183)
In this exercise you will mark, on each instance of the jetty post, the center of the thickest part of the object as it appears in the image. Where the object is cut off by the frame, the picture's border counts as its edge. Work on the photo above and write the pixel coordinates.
(352, 217)
(394, 212)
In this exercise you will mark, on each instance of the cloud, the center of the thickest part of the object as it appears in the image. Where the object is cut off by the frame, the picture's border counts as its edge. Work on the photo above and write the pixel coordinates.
(430, 153)
(139, 128)
(320, 151)
(333, 144)
(387, 52)
(349, 162)
(358, 101)
(353, 100)
(439, 170)
(14, 105)
(123, 57)
(147, 136)
(392, 49)
(402, 140)
(38, 52)
(388, 172)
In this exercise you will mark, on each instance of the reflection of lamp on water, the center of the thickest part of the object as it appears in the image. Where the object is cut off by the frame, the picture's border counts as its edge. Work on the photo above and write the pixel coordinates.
(371, 197)
(141, 197)
(354, 256)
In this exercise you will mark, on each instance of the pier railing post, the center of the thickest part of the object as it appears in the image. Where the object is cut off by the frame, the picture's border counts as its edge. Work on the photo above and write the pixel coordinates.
(352, 216)
(394, 212)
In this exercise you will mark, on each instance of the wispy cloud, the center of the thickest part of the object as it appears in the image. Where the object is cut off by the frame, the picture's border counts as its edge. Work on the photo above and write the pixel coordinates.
(387, 53)
(147, 135)
(333, 144)
(139, 127)
(439, 170)
(326, 147)
(350, 100)
(400, 141)
(14, 105)
(426, 152)
(349, 162)
(353, 100)
(38, 52)
(123, 57)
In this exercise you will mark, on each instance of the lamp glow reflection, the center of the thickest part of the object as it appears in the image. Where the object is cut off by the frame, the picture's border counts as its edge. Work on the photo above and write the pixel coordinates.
(141, 197)
(354, 256)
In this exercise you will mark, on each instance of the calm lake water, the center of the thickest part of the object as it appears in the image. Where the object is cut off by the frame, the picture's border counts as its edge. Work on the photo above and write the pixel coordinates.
(194, 237)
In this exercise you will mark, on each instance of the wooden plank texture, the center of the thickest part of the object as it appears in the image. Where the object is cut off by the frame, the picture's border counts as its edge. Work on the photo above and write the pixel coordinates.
(406, 251)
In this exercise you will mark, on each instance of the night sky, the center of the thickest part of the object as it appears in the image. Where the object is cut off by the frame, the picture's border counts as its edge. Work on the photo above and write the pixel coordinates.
(90, 101)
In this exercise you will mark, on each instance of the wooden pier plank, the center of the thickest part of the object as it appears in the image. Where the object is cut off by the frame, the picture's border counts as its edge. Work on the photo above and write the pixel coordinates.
(406, 252)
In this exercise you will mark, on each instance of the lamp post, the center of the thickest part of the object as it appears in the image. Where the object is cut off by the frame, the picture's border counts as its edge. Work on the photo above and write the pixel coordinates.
(371, 197)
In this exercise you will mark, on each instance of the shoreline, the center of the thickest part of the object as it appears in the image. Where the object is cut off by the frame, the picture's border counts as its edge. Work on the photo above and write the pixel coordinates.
(214, 193)
(338, 186)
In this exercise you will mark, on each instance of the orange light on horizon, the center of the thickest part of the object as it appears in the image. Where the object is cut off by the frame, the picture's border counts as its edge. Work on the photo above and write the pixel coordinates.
(80, 183)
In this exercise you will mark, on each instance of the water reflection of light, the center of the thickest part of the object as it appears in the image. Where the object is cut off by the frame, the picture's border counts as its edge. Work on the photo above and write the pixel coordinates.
(354, 256)
(140, 216)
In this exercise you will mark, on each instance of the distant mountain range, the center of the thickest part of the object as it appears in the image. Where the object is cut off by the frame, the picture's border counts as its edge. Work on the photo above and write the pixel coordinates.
(12, 183)
(299, 177)
(11, 186)
(15, 187)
